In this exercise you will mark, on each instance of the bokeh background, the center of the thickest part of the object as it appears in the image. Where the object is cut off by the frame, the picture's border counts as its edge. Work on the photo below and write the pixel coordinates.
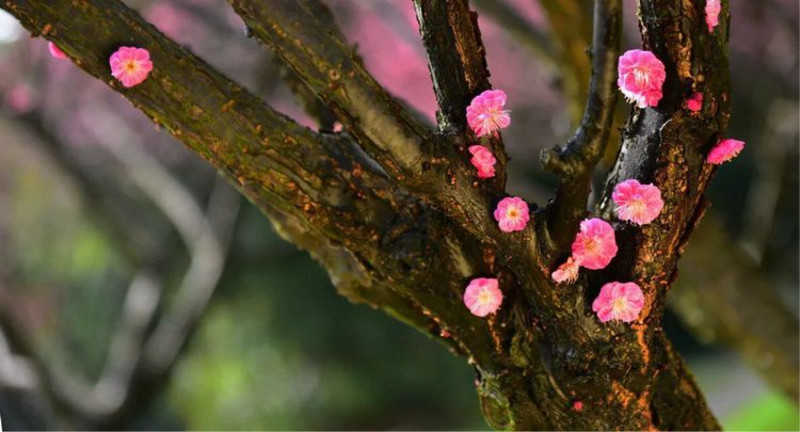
(111, 232)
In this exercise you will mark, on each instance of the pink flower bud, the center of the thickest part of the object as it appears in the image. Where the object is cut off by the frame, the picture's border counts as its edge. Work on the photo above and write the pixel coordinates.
(724, 151)
(713, 8)
(566, 272)
(483, 160)
(56, 51)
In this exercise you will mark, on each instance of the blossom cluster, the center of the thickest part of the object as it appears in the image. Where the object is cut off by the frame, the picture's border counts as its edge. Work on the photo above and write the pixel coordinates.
(641, 78)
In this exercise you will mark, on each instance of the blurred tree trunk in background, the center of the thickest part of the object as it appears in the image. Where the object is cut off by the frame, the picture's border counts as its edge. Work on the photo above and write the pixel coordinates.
(393, 211)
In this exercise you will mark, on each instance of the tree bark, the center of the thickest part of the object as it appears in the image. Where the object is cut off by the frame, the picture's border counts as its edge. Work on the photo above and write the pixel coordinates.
(395, 214)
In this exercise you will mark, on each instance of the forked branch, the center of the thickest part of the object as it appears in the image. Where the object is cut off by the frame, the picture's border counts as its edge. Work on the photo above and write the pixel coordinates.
(575, 162)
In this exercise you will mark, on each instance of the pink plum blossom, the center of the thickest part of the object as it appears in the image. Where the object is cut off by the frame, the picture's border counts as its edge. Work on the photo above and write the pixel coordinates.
(713, 7)
(55, 51)
(482, 296)
(636, 202)
(511, 214)
(695, 102)
(595, 245)
(566, 272)
(483, 160)
(641, 76)
(724, 151)
(485, 114)
(130, 65)
(619, 301)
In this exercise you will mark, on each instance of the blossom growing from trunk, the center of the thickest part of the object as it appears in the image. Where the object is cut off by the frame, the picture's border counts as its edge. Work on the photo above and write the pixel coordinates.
(724, 151)
(713, 7)
(595, 245)
(636, 202)
(619, 301)
(130, 65)
(485, 114)
(566, 272)
(482, 296)
(695, 102)
(55, 51)
(511, 214)
(641, 76)
(483, 160)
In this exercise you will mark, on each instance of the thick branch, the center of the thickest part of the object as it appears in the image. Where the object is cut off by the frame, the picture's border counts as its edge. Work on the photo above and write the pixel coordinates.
(302, 33)
(667, 146)
(576, 161)
(270, 157)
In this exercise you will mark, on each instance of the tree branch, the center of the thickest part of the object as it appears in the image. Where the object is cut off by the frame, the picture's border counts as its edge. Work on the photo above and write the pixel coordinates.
(457, 64)
(207, 245)
(318, 54)
(456, 57)
(270, 157)
(575, 163)
(330, 67)
(413, 240)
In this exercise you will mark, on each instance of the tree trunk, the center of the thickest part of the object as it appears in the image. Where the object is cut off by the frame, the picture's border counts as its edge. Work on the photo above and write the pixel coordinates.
(394, 212)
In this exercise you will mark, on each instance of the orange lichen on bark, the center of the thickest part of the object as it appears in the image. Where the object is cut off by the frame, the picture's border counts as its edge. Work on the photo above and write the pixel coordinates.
(643, 404)
(622, 394)
(640, 335)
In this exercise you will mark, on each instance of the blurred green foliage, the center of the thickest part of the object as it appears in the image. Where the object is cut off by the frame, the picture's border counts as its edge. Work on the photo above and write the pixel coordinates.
(280, 349)
(770, 412)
